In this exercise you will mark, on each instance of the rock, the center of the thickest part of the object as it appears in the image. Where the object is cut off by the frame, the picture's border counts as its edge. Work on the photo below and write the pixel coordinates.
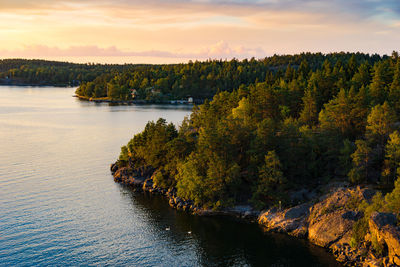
(290, 220)
(297, 212)
(382, 225)
(139, 181)
(114, 168)
(334, 210)
(178, 200)
(329, 228)
(300, 232)
(380, 219)
(147, 184)
(371, 263)
(122, 175)
(299, 196)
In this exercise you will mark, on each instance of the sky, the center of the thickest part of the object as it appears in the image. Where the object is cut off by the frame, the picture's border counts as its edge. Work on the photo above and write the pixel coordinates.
(156, 31)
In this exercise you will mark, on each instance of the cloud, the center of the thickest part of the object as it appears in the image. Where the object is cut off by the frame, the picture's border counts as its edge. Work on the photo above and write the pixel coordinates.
(220, 50)
(194, 9)
(192, 28)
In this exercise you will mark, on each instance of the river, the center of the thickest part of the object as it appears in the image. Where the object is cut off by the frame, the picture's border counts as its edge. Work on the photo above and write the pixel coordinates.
(60, 206)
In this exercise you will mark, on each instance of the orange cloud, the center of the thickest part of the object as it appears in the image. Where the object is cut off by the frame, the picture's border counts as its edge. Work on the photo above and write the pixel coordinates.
(220, 50)
(192, 29)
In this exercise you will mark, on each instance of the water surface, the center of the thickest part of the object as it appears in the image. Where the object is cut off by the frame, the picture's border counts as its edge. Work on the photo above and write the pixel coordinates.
(60, 206)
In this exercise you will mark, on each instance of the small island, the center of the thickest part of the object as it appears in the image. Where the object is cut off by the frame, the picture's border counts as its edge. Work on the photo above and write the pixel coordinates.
(311, 149)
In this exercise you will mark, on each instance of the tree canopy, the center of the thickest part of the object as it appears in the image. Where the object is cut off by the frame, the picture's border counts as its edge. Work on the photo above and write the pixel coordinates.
(317, 119)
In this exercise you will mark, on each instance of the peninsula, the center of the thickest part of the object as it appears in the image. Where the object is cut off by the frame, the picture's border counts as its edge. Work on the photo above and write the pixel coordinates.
(312, 149)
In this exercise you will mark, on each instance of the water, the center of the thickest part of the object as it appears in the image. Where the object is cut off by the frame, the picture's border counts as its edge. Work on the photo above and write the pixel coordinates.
(60, 206)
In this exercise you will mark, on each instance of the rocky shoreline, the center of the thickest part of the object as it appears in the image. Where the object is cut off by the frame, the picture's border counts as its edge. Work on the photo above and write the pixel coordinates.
(326, 219)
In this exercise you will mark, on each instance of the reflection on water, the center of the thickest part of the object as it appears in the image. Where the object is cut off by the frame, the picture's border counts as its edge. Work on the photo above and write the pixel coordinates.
(60, 206)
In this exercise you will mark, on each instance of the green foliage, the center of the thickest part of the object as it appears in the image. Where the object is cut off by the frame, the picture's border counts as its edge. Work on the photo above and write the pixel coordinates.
(271, 181)
(361, 161)
(392, 200)
(202, 80)
(392, 159)
(377, 246)
(360, 229)
(380, 123)
(380, 203)
(345, 159)
(309, 114)
(254, 142)
(42, 72)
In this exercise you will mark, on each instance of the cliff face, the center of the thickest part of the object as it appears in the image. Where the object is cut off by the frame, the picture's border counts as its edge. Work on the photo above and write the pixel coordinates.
(383, 227)
(326, 221)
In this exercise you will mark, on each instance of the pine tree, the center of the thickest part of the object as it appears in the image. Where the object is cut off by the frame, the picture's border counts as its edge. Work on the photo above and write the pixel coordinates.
(337, 115)
(394, 93)
(361, 161)
(380, 123)
(362, 77)
(379, 85)
(309, 115)
(270, 180)
(392, 159)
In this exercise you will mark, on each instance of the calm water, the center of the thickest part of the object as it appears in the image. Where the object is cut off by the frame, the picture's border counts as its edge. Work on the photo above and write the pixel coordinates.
(60, 206)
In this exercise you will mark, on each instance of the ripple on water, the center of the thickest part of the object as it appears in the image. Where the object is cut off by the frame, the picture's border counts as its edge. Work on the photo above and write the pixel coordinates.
(60, 206)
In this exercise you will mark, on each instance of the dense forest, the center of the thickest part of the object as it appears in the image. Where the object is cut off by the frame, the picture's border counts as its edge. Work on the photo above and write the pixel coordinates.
(43, 72)
(202, 80)
(321, 118)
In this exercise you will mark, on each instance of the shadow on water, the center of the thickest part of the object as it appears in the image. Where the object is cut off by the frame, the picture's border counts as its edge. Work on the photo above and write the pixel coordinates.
(225, 241)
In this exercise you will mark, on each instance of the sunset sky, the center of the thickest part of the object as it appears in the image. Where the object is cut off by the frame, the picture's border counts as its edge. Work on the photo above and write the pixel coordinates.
(155, 31)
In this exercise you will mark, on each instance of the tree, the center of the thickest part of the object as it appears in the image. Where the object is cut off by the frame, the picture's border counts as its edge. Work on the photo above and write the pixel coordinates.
(360, 109)
(271, 179)
(380, 123)
(392, 159)
(361, 162)
(345, 158)
(309, 115)
(362, 77)
(380, 82)
(393, 199)
(337, 115)
(394, 93)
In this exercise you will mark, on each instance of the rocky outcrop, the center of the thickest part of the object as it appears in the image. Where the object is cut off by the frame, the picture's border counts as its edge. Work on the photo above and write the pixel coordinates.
(241, 211)
(383, 227)
(331, 211)
(332, 227)
(142, 180)
(292, 221)
(328, 222)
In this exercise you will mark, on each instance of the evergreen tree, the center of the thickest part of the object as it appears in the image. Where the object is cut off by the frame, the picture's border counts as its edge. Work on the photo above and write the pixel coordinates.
(392, 159)
(381, 122)
(394, 93)
(309, 115)
(361, 162)
(270, 180)
(380, 81)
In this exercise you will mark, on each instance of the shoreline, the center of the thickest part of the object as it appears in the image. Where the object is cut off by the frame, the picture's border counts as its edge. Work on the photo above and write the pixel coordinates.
(134, 102)
(36, 85)
(311, 220)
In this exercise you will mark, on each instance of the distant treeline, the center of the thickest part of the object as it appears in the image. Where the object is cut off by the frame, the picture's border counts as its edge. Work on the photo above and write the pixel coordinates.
(43, 72)
(201, 80)
(278, 125)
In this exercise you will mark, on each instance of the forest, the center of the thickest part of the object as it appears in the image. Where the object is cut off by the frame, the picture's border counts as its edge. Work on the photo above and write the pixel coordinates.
(202, 80)
(320, 118)
(43, 72)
